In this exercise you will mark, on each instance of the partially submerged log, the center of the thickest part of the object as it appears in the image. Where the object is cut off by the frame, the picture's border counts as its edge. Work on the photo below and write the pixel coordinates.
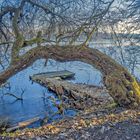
(78, 93)
(23, 124)
(64, 74)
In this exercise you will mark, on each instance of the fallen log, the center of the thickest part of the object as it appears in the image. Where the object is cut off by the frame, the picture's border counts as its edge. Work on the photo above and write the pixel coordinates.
(22, 124)
(79, 93)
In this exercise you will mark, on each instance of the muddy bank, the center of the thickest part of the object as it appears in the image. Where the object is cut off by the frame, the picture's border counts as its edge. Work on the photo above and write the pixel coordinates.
(110, 124)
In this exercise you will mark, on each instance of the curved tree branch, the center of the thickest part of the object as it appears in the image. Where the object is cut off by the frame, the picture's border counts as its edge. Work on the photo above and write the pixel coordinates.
(121, 85)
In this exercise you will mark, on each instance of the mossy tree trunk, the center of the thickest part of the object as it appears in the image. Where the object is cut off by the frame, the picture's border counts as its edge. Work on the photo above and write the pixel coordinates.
(122, 86)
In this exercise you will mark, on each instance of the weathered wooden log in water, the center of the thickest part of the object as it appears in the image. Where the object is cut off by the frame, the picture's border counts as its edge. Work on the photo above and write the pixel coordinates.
(77, 92)
(64, 74)
(23, 124)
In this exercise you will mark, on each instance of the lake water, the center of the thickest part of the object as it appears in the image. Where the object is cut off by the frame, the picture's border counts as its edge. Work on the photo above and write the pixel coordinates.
(36, 101)
(34, 104)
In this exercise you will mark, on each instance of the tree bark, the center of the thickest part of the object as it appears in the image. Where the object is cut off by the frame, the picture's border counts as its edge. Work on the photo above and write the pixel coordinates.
(122, 87)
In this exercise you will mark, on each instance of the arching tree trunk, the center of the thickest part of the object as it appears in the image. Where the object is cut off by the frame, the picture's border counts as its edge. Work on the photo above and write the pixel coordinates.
(121, 85)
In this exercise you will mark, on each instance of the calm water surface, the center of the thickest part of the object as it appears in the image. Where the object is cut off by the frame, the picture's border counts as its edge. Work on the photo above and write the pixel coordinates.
(33, 103)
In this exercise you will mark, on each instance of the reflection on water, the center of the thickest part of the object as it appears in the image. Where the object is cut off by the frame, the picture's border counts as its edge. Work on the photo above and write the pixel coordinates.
(36, 98)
